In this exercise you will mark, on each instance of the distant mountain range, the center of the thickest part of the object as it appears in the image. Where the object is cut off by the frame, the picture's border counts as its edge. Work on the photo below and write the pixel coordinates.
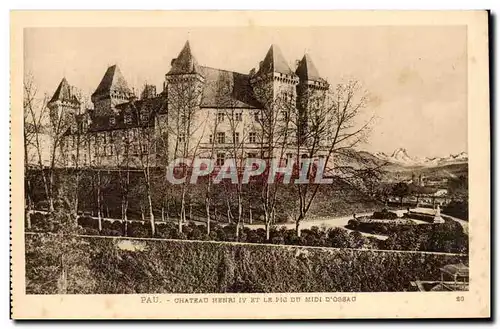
(401, 157)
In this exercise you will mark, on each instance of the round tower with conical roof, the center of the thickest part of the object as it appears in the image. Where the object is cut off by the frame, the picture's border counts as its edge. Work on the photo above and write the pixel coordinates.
(184, 88)
(311, 91)
(274, 80)
(64, 104)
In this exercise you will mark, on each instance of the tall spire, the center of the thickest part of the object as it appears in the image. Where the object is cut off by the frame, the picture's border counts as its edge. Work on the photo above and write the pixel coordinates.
(64, 93)
(113, 80)
(306, 70)
(185, 63)
(275, 62)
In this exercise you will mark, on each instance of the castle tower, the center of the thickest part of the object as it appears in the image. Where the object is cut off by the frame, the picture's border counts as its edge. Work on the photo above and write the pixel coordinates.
(184, 80)
(274, 80)
(311, 90)
(112, 90)
(184, 87)
(64, 105)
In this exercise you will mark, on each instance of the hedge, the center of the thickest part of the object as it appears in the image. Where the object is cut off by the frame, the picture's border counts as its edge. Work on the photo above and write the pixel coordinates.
(448, 237)
(123, 266)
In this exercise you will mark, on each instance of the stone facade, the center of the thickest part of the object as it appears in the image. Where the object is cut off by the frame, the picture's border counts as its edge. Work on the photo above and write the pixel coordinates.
(201, 111)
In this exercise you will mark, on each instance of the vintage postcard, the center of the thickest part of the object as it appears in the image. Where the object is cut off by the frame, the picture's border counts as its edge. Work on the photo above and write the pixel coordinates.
(250, 165)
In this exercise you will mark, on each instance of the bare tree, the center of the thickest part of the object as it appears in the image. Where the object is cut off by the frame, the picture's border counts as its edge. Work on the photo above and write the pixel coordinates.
(145, 145)
(272, 125)
(330, 130)
(230, 116)
(186, 128)
(48, 128)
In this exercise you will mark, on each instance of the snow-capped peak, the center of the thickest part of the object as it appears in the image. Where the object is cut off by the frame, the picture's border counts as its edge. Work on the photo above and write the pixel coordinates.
(400, 156)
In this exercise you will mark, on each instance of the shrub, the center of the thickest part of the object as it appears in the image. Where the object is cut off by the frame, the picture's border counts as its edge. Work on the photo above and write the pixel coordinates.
(138, 230)
(210, 267)
(353, 224)
(90, 231)
(384, 214)
(196, 232)
(111, 232)
(87, 221)
(338, 238)
(459, 209)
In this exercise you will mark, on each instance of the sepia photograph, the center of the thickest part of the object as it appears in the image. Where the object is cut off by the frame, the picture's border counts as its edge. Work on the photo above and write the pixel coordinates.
(199, 164)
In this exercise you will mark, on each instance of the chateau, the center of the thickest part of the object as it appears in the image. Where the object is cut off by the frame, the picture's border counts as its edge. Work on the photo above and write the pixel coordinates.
(201, 111)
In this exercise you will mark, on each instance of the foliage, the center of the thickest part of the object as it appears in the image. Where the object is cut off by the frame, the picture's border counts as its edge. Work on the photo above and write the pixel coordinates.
(459, 209)
(384, 214)
(58, 262)
(212, 267)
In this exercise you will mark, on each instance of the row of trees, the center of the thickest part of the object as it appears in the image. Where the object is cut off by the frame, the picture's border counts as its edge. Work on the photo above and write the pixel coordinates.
(329, 126)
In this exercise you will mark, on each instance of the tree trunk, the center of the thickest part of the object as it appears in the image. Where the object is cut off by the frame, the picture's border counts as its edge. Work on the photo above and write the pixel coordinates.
(250, 219)
(29, 207)
(207, 209)
(99, 216)
(268, 230)
(297, 224)
(240, 212)
(125, 218)
(63, 280)
(151, 215)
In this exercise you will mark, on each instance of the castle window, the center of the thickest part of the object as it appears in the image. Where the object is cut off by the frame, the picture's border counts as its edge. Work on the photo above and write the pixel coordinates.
(252, 137)
(134, 149)
(112, 121)
(182, 137)
(284, 114)
(221, 157)
(210, 138)
(238, 116)
(145, 149)
(236, 138)
(220, 116)
(127, 118)
(221, 138)
(256, 116)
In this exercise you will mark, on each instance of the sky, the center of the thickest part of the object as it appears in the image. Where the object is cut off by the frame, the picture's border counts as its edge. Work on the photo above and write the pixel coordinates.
(415, 76)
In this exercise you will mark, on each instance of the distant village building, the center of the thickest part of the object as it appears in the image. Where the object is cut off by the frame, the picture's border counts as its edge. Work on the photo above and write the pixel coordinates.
(199, 106)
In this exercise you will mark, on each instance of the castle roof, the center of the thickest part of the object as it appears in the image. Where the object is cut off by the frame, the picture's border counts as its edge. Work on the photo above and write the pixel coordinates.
(275, 62)
(185, 63)
(147, 107)
(63, 93)
(112, 80)
(227, 89)
(306, 70)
